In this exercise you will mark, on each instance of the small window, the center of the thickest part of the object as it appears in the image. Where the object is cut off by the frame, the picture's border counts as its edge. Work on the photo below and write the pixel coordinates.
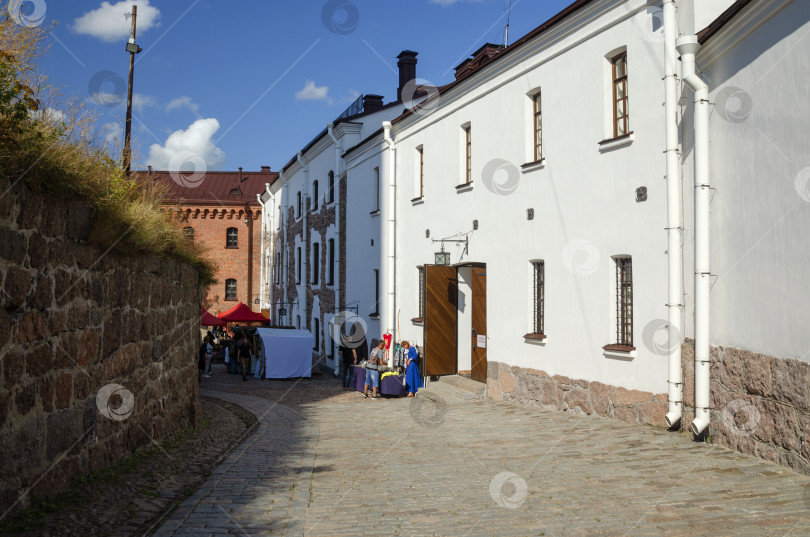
(232, 238)
(298, 322)
(331, 187)
(230, 289)
(377, 189)
(188, 231)
(298, 265)
(537, 125)
(315, 195)
(624, 301)
(299, 206)
(331, 261)
(539, 301)
(316, 263)
(621, 111)
(468, 159)
(421, 156)
(376, 292)
(316, 332)
(278, 267)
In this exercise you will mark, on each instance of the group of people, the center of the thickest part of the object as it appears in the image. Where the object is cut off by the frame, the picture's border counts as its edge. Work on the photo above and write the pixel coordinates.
(238, 353)
(353, 355)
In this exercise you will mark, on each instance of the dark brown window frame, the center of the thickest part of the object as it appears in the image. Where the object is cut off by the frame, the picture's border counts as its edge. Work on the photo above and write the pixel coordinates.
(468, 159)
(316, 263)
(617, 82)
(232, 243)
(624, 301)
(228, 283)
(537, 125)
(298, 266)
(421, 151)
(331, 260)
(315, 195)
(331, 185)
(539, 297)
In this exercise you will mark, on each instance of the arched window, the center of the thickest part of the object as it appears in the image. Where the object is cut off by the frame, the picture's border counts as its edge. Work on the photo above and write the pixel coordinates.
(331, 186)
(232, 238)
(189, 233)
(230, 289)
(315, 194)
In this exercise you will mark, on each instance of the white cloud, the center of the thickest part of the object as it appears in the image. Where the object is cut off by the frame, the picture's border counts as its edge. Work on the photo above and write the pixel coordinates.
(108, 22)
(113, 134)
(140, 102)
(49, 115)
(185, 148)
(182, 102)
(311, 92)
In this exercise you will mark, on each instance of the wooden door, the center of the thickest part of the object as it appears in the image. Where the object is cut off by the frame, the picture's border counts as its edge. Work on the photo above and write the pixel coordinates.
(479, 324)
(441, 289)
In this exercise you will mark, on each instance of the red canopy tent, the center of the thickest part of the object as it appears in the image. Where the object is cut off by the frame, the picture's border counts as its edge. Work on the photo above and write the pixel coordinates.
(206, 319)
(242, 314)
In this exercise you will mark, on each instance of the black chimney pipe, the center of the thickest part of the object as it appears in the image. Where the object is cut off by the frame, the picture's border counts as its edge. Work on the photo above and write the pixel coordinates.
(407, 70)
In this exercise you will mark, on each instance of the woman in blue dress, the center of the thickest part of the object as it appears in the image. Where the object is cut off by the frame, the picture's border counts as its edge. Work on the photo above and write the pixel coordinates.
(413, 380)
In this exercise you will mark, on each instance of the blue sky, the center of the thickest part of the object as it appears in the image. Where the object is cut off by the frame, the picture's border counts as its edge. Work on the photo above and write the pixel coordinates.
(249, 83)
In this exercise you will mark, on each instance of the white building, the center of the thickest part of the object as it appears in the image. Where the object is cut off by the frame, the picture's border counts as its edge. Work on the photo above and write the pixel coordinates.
(319, 212)
(561, 174)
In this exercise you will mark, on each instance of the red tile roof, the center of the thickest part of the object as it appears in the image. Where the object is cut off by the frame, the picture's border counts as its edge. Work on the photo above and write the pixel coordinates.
(228, 188)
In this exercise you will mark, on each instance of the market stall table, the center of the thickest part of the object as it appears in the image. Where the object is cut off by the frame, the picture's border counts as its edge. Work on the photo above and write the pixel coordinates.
(390, 385)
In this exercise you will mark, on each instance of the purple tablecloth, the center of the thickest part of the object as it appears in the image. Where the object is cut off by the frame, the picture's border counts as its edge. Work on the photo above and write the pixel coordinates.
(358, 377)
(390, 385)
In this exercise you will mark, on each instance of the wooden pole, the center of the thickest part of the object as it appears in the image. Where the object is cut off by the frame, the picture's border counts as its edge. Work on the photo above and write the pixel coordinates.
(128, 127)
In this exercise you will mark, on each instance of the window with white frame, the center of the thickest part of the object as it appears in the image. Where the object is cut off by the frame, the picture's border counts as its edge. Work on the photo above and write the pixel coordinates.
(230, 289)
(377, 189)
(537, 125)
(467, 153)
(420, 171)
(619, 96)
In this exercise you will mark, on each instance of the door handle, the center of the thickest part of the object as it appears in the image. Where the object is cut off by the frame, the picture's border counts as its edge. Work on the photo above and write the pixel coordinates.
(474, 333)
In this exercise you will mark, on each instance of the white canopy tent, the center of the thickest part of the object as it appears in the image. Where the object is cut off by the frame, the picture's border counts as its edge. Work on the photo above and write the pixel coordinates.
(287, 353)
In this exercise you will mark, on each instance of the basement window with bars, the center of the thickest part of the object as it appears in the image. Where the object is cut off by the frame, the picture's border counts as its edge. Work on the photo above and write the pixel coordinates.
(538, 301)
(624, 305)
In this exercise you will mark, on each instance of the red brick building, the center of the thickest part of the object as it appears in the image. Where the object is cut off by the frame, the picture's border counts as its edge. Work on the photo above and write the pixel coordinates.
(221, 211)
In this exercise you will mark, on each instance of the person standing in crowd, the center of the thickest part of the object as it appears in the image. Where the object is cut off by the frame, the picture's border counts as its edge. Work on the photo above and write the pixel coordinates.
(209, 354)
(413, 378)
(243, 348)
(372, 370)
(348, 357)
(201, 359)
(260, 357)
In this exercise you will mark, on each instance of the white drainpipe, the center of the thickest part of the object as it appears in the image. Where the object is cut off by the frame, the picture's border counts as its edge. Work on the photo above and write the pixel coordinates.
(305, 233)
(674, 218)
(263, 259)
(389, 239)
(688, 47)
(285, 197)
(330, 130)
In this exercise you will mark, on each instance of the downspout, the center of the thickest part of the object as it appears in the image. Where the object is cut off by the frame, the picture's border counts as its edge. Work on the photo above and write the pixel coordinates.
(674, 219)
(262, 258)
(285, 197)
(330, 127)
(390, 219)
(688, 47)
(305, 234)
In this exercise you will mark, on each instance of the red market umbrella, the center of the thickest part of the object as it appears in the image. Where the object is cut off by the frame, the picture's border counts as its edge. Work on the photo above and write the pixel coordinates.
(242, 314)
(206, 319)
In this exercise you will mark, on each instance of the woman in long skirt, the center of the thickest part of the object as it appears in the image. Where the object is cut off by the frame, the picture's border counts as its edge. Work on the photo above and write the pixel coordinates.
(413, 379)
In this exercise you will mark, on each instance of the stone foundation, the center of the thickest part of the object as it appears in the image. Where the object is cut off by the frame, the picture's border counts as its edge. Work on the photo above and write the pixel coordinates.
(98, 351)
(760, 404)
(513, 384)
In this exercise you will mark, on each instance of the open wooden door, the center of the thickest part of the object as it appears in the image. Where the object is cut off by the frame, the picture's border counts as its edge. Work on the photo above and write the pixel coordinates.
(479, 324)
(441, 289)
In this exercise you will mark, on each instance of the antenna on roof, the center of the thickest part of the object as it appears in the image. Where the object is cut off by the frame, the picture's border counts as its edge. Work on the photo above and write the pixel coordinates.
(508, 18)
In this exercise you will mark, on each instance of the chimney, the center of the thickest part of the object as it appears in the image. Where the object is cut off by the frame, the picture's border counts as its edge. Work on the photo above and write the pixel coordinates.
(372, 103)
(407, 69)
(265, 169)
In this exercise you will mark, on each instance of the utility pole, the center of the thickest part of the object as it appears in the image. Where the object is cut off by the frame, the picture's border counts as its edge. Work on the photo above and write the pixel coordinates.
(133, 49)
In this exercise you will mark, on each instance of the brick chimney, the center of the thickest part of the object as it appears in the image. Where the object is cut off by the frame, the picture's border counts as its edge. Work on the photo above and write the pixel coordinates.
(265, 169)
(372, 103)
(407, 69)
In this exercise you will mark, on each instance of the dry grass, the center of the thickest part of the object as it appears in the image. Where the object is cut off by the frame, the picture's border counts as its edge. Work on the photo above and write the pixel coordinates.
(59, 154)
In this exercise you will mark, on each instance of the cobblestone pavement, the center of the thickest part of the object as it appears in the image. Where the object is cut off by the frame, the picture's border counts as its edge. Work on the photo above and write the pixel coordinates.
(332, 463)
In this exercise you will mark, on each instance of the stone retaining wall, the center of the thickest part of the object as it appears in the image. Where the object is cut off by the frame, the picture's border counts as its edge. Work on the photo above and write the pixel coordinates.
(760, 404)
(97, 350)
